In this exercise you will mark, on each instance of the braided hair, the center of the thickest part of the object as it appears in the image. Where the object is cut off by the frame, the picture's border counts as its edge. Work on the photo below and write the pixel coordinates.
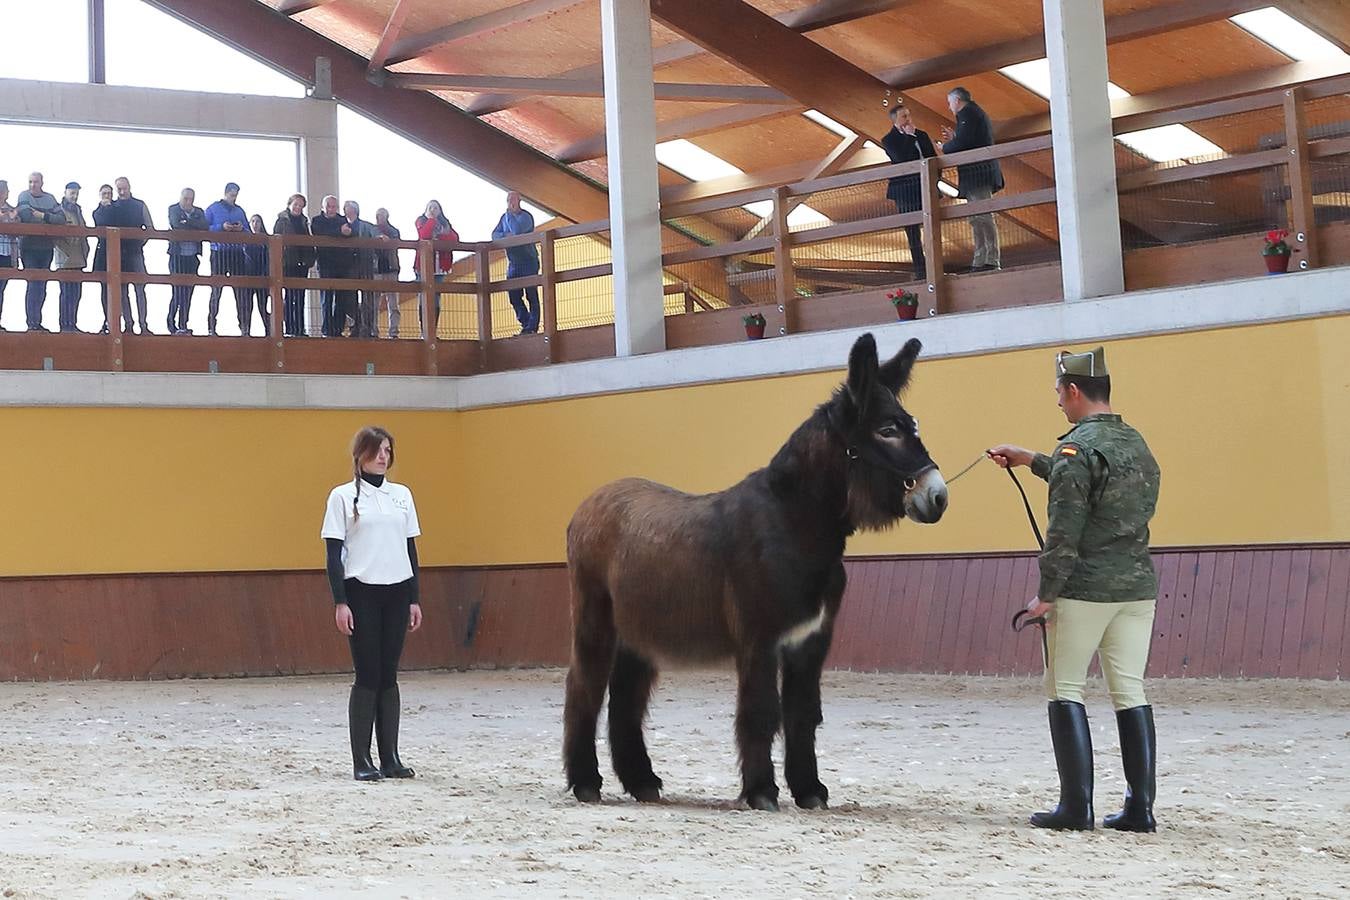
(365, 446)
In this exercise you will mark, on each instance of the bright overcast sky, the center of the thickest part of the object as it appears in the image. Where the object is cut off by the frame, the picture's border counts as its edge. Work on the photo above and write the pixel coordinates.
(150, 49)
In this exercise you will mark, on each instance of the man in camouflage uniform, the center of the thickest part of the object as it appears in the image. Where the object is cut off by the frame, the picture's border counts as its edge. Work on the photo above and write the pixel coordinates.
(1097, 590)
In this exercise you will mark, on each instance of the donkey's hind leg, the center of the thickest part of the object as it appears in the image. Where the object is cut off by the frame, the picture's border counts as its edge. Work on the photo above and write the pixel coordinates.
(592, 658)
(630, 689)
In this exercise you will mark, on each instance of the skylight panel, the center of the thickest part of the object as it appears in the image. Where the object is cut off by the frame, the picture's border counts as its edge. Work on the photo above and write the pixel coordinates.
(697, 164)
(1286, 34)
(1169, 142)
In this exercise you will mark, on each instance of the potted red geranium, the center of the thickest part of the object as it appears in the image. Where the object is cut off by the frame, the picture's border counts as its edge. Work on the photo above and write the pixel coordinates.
(906, 303)
(1276, 252)
(754, 326)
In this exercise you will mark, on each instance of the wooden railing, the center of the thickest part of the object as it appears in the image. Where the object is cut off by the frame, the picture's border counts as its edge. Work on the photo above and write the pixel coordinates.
(714, 248)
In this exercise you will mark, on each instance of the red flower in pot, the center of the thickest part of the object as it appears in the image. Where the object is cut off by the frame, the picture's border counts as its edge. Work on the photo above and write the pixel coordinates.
(1277, 251)
(906, 303)
(754, 326)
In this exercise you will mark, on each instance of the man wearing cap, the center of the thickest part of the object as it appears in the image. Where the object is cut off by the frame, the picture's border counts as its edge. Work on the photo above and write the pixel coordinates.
(1098, 589)
(72, 255)
(227, 216)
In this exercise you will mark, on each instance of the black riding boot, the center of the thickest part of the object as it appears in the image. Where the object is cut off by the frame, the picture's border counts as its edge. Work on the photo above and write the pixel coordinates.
(1073, 757)
(386, 734)
(360, 719)
(1138, 752)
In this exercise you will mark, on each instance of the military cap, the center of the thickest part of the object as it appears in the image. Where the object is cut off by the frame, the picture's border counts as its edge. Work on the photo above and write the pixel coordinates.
(1089, 365)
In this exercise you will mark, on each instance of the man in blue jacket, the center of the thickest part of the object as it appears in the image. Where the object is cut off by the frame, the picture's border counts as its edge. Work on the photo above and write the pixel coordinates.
(521, 260)
(227, 216)
(978, 180)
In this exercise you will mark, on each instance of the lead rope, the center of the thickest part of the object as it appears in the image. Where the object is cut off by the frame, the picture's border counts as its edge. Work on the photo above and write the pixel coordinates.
(1020, 619)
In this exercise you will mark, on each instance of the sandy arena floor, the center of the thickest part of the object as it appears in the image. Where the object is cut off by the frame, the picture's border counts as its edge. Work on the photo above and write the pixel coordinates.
(242, 788)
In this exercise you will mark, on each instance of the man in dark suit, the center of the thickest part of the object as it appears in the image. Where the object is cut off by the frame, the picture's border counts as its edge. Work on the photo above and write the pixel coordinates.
(905, 143)
(975, 181)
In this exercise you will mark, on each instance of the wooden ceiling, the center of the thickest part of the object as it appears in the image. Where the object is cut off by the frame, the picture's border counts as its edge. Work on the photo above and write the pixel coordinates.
(920, 47)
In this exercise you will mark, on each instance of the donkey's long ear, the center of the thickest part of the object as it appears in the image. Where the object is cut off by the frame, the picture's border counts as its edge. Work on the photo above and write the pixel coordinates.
(895, 372)
(862, 370)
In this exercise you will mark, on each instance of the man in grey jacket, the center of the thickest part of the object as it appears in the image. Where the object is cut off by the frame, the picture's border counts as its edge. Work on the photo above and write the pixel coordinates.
(363, 266)
(71, 255)
(37, 207)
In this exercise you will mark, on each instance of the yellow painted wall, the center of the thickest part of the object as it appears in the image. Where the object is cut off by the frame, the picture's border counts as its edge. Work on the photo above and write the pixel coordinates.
(1251, 427)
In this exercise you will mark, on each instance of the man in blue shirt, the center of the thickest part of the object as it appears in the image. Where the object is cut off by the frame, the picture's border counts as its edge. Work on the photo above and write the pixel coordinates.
(227, 216)
(521, 260)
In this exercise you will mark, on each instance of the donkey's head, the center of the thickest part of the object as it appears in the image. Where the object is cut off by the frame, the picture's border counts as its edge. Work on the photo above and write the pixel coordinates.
(890, 472)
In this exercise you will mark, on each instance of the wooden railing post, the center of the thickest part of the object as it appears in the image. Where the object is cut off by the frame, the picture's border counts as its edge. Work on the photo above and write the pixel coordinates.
(1301, 210)
(930, 170)
(429, 302)
(276, 269)
(785, 275)
(548, 294)
(484, 308)
(113, 278)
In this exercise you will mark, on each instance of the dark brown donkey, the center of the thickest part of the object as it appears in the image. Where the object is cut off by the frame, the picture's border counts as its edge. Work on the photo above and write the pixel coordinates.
(753, 574)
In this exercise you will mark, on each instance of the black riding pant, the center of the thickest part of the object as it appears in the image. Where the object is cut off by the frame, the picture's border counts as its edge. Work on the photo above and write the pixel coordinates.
(379, 625)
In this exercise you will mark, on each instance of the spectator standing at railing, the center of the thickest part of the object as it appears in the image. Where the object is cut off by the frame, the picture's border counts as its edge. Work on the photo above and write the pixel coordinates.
(9, 215)
(333, 263)
(521, 260)
(387, 269)
(296, 260)
(185, 257)
(905, 143)
(975, 181)
(37, 207)
(103, 218)
(71, 255)
(432, 225)
(258, 264)
(363, 267)
(228, 217)
(131, 214)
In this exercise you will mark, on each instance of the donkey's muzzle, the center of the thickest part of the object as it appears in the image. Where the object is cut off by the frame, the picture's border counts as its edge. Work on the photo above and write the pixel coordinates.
(927, 500)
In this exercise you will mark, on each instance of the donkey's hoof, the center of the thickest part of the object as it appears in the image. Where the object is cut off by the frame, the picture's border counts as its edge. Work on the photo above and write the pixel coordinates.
(586, 794)
(762, 802)
(647, 795)
(813, 802)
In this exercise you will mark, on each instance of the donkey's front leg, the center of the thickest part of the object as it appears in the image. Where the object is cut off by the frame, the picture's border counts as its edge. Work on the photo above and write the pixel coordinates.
(757, 720)
(801, 717)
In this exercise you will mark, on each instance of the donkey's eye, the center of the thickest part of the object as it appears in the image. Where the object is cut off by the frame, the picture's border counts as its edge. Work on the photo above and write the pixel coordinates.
(888, 431)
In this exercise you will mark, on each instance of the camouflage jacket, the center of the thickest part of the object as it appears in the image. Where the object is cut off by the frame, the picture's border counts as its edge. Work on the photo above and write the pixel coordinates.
(1103, 491)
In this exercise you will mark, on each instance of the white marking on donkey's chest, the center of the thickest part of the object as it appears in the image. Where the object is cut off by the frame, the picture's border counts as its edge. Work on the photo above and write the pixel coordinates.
(798, 634)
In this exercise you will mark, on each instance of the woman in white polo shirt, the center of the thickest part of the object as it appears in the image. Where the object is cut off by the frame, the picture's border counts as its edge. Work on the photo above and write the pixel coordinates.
(370, 528)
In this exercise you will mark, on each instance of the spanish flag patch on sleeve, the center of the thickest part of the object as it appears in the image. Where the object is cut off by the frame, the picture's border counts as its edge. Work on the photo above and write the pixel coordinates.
(1066, 450)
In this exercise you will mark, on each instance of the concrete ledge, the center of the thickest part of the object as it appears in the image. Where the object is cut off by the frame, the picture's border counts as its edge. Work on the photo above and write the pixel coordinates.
(1251, 301)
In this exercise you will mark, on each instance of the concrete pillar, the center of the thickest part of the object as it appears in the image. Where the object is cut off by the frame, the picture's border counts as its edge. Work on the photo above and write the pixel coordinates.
(318, 177)
(1085, 166)
(630, 139)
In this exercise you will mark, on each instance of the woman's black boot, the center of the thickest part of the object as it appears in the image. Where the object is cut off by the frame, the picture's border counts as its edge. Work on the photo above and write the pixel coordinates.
(360, 720)
(386, 734)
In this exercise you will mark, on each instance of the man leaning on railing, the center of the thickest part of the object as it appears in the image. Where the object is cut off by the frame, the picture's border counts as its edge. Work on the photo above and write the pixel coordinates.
(72, 255)
(975, 181)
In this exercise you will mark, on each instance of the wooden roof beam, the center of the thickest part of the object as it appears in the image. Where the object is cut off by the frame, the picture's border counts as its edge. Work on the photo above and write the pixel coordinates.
(1329, 18)
(823, 14)
(416, 45)
(1126, 27)
(584, 87)
(392, 29)
(295, 7)
(593, 146)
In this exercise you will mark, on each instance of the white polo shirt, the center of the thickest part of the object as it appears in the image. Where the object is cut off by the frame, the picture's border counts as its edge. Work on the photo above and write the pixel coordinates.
(374, 546)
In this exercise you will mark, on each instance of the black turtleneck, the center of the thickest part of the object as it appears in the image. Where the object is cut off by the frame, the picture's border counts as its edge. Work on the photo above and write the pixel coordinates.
(336, 576)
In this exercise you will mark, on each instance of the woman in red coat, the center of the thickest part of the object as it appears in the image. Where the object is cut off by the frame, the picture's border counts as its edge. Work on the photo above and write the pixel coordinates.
(434, 226)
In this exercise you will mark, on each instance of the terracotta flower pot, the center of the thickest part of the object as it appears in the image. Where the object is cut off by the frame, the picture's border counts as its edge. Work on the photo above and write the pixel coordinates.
(754, 332)
(904, 311)
(1277, 263)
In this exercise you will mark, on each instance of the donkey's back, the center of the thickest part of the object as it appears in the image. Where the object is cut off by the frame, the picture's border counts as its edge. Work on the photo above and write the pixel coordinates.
(653, 561)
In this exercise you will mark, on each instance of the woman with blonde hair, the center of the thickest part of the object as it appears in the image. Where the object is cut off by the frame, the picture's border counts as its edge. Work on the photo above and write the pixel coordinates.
(432, 225)
(370, 529)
